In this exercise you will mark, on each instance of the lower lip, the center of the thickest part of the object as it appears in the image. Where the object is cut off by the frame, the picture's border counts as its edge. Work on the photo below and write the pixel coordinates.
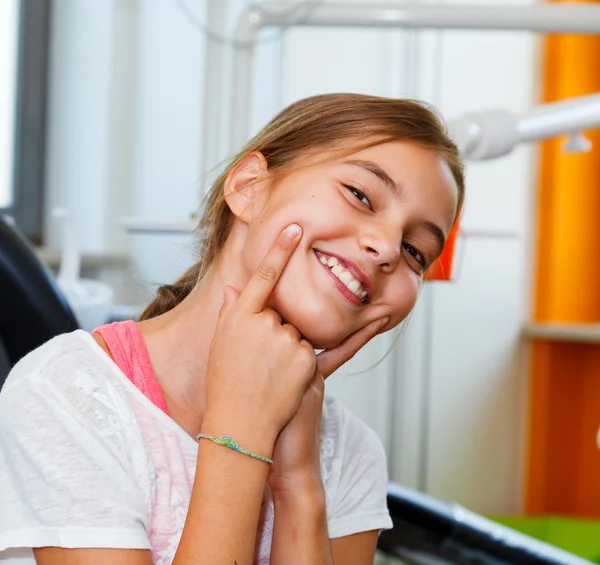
(341, 286)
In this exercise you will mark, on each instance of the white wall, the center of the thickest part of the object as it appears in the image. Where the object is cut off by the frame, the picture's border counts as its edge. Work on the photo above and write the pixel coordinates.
(477, 381)
(9, 24)
(80, 120)
(134, 127)
(167, 180)
(126, 119)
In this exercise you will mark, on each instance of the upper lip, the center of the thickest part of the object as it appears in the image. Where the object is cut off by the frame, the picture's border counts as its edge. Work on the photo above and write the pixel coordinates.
(355, 271)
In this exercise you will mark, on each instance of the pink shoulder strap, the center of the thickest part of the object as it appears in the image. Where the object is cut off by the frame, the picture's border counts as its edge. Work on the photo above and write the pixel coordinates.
(126, 345)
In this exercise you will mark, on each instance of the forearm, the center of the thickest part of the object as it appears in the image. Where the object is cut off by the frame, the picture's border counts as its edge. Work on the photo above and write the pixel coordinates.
(222, 520)
(300, 534)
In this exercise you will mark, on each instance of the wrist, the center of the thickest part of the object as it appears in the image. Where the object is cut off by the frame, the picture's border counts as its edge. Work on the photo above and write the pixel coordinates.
(251, 436)
(305, 491)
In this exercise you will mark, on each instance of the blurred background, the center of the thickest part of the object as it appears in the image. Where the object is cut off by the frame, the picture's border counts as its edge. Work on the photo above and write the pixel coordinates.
(120, 113)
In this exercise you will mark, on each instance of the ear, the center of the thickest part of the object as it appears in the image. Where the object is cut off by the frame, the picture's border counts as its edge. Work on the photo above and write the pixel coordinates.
(242, 183)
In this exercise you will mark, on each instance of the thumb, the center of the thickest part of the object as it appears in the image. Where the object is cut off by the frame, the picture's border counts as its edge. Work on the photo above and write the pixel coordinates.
(230, 296)
(318, 383)
(331, 360)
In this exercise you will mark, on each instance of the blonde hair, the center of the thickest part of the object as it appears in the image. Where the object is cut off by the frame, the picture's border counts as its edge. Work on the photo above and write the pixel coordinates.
(351, 122)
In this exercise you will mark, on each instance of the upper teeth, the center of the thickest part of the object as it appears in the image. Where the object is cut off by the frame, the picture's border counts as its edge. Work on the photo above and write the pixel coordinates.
(345, 276)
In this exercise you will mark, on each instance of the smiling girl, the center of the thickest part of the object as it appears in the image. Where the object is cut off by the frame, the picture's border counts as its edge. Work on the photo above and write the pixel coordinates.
(316, 236)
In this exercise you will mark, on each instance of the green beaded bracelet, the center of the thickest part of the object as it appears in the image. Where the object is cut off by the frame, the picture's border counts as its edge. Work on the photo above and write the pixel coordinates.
(228, 442)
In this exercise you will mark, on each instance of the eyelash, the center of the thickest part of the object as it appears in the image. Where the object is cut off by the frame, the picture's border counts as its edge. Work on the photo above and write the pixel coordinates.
(359, 194)
(415, 253)
(410, 249)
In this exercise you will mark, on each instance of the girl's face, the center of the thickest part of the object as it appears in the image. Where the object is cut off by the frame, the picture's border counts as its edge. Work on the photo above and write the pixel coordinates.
(373, 222)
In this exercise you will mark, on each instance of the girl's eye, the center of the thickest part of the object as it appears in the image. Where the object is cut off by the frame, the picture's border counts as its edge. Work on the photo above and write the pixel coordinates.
(360, 195)
(418, 256)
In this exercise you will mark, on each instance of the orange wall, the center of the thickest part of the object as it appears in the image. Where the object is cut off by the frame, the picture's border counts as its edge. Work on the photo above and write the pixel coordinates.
(563, 473)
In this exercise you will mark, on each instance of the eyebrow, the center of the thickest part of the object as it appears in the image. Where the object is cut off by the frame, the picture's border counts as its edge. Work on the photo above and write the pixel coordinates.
(375, 170)
(438, 235)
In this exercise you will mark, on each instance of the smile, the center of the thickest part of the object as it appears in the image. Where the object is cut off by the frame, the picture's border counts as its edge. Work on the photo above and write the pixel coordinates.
(351, 287)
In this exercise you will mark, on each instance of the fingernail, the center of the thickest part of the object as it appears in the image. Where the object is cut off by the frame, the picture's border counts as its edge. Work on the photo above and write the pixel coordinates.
(225, 294)
(293, 231)
(384, 322)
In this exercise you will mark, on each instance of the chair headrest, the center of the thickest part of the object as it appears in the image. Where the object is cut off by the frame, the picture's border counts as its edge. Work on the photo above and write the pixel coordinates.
(32, 308)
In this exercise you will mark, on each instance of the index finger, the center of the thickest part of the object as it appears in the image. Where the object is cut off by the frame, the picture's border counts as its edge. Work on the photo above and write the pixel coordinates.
(263, 281)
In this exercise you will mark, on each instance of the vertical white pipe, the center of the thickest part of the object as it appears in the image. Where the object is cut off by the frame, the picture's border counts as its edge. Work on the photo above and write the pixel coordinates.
(218, 14)
(247, 31)
(9, 25)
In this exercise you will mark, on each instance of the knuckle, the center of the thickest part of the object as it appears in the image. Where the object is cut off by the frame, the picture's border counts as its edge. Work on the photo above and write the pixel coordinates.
(267, 273)
(267, 315)
(307, 353)
(291, 330)
(273, 317)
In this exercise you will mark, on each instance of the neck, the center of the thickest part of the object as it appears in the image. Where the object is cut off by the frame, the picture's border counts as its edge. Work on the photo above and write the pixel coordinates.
(178, 341)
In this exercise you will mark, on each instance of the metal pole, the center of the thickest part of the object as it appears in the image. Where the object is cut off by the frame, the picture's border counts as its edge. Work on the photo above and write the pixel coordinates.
(543, 18)
(567, 116)
(540, 18)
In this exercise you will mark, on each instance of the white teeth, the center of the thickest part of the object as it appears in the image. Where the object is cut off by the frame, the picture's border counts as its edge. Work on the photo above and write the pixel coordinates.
(353, 286)
(346, 277)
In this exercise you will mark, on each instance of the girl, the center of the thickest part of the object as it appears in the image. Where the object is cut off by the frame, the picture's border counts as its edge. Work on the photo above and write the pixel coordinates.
(316, 236)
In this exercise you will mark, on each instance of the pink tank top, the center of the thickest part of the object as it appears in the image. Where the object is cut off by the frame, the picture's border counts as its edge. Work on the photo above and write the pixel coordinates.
(126, 345)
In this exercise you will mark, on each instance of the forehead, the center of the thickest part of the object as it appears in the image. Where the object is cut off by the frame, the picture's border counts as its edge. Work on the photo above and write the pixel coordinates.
(405, 161)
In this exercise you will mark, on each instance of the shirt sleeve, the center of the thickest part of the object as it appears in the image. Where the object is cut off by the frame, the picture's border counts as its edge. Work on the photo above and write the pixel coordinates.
(360, 503)
(63, 480)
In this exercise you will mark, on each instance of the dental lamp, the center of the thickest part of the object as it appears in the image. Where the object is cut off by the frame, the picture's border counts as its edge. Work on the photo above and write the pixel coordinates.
(493, 133)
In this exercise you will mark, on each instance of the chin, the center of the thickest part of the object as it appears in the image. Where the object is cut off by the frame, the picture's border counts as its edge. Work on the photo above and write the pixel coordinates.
(321, 330)
(320, 339)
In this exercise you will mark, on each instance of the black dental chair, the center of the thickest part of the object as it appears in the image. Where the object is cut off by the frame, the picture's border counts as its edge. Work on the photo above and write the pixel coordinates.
(428, 531)
(32, 308)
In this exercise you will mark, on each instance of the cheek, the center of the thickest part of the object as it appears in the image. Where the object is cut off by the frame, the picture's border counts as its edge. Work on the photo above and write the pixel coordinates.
(313, 214)
(405, 294)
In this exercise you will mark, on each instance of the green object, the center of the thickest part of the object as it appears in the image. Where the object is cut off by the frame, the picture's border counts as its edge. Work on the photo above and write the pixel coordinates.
(577, 536)
(228, 442)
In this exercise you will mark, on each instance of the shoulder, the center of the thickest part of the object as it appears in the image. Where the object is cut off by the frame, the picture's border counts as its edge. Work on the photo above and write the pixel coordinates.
(67, 385)
(70, 360)
(71, 453)
(59, 356)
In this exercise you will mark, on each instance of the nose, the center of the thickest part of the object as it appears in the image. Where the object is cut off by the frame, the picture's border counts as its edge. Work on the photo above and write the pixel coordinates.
(382, 249)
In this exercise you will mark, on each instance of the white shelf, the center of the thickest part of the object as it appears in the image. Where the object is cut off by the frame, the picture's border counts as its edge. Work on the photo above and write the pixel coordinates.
(145, 225)
(578, 333)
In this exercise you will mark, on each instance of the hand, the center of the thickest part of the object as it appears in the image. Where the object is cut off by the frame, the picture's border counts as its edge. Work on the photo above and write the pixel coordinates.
(250, 351)
(296, 464)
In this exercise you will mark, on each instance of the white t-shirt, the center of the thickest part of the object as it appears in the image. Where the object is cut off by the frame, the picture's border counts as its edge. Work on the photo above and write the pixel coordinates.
(86, 460)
